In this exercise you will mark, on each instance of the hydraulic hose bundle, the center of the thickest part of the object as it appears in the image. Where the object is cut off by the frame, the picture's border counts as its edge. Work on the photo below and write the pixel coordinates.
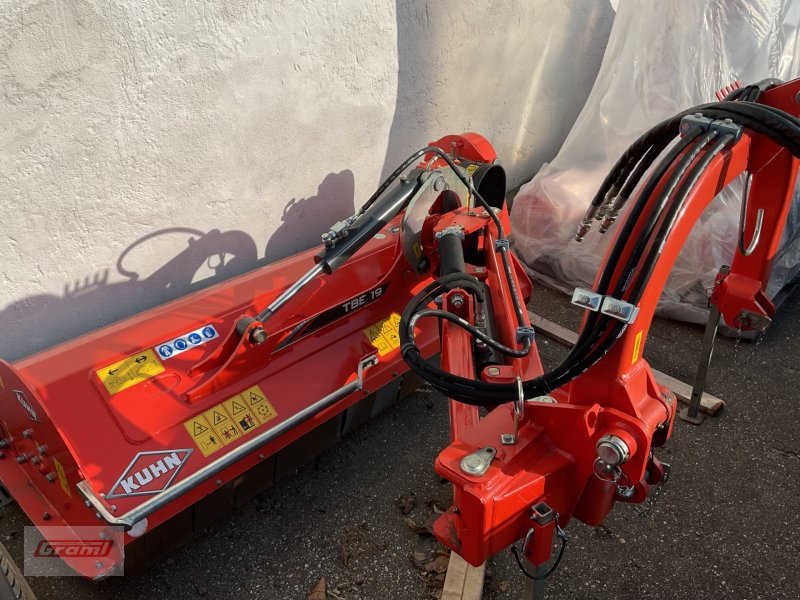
(701, 140)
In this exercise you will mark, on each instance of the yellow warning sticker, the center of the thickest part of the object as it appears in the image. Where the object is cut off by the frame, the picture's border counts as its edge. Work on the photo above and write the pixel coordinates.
(130, 371)
(228, 421)
(241, 413)
(385, 334)
(222, 424)
(204, 437)
(258, 403)
(637, 346)
(62, 477)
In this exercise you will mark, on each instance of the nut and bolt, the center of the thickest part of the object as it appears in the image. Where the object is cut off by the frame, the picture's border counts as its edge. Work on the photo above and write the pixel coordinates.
(51, 477)
(42, 449)
(438, 184)
(46, 516)
(27, 434)
(36, 461)
(458, 300)
(22, 458)
(3, 443)
(493, 371)
(258, 335)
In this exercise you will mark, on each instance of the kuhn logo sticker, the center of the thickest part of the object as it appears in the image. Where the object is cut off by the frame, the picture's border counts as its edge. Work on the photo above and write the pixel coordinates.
(150, 473)
(23, 402)
(198, 337)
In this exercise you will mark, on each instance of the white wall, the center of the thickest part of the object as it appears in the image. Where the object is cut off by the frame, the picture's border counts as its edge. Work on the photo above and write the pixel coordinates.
(264, 120)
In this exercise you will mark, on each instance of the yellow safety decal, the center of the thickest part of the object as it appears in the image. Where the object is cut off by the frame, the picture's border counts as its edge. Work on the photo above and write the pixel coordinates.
(229, 420)
(637, 346)
(222, 424)
(258, 403)
(385, 334)
(62, 477)
(205, 438)
(241, 413)
(130, 371)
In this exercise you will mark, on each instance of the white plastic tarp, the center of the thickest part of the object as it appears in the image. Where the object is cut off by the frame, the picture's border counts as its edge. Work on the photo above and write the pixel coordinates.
(662, 57)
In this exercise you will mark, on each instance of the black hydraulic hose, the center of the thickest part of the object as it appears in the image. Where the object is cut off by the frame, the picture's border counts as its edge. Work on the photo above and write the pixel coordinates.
(656, 248)
(625, 164)
(448, 316)
(672, 215)
(780, 127)
(647, 161)
(677, 174)
(627, 230)
(492, 393)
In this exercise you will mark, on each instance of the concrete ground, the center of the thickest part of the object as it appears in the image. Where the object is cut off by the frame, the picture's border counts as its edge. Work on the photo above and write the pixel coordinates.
(725, 526)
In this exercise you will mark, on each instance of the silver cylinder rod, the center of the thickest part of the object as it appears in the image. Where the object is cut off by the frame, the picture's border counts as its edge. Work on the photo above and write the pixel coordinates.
(290, 292)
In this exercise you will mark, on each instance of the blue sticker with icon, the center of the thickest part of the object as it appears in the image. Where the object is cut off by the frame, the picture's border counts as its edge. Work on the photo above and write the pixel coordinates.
(180, 344)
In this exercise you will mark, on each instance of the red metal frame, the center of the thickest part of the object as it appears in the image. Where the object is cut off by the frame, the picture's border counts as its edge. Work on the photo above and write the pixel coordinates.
(552, 460)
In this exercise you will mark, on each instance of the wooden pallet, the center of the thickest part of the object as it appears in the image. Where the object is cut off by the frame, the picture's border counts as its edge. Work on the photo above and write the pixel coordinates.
(463, 581)
(683, 391)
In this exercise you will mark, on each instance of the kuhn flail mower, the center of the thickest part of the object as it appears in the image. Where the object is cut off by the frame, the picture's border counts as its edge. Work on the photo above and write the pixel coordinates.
(133, 425)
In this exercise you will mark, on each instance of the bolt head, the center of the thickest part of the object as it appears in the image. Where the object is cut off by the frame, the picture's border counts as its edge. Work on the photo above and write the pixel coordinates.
(493, 371)
(258, 335)
(22, 458)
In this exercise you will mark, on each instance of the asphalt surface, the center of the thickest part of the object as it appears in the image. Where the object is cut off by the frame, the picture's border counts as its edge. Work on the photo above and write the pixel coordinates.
(725, 526)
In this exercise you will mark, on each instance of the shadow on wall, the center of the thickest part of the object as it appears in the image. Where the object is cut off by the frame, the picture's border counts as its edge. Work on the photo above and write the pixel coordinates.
(413, 101)
(42, 321)
(335, 200)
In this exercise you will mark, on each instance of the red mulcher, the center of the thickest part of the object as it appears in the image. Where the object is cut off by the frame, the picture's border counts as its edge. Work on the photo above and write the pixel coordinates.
(156, 423)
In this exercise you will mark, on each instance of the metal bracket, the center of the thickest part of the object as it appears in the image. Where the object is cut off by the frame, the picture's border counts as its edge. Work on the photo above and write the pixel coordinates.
(587, 299)
(723, 126)
(501, 245)
(619, 309)
(526, 333)
(479, 461)
(456, 230)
